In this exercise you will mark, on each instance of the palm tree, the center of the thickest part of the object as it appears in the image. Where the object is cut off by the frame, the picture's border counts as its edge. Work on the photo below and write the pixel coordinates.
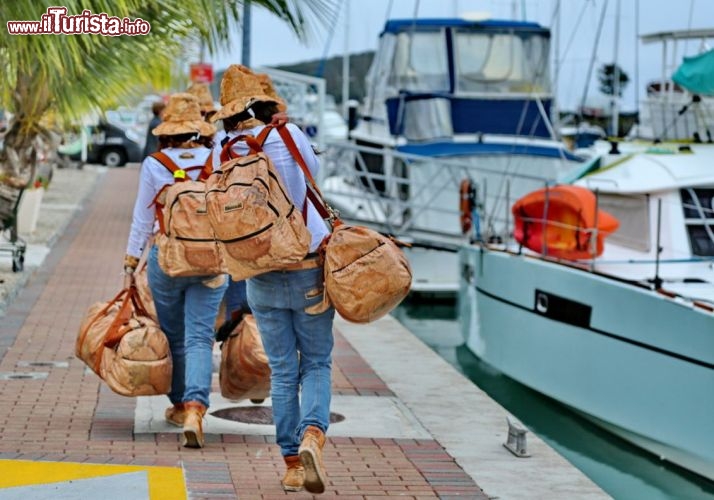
(60, 77)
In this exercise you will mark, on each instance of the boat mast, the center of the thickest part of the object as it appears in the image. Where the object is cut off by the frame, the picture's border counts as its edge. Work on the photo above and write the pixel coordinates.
(346, 63)
(616, 76)
(555, 113)
(592, 60)
(637, 61)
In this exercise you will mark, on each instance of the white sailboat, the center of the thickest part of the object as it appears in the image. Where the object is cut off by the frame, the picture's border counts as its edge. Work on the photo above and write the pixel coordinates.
(447, 98)
(623, 334)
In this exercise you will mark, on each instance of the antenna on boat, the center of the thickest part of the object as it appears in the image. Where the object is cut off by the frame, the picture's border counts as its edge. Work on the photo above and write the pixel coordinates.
(616, 77)
(592, 61)
(657, 281)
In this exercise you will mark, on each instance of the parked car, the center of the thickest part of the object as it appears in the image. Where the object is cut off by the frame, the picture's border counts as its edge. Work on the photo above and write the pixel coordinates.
(107, 144)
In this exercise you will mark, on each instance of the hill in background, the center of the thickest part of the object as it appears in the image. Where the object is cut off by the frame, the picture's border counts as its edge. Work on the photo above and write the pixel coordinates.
(329, 69)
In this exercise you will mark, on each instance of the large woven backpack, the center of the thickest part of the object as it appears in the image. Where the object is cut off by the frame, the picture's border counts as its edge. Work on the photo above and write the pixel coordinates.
(186, 240)
(256, 223)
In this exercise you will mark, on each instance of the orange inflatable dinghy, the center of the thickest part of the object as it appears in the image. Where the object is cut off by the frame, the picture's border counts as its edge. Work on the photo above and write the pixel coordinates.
(566, 227)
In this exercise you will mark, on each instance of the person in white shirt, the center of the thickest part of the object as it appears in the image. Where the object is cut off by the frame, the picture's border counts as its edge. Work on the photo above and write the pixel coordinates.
(186, 306)
(295, 323)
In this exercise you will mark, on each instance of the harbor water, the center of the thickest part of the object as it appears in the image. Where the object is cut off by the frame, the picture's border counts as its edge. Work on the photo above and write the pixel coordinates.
(619, 468)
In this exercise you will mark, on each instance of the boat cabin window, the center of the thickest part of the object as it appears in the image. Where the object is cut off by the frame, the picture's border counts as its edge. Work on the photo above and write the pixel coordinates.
(420, 62)
(501, 62)
(632, 211)
(698, 207)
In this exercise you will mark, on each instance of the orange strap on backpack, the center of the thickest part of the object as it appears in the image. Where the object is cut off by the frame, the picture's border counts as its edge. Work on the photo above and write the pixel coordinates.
(179, 176)
(171, 166)
(255, 144)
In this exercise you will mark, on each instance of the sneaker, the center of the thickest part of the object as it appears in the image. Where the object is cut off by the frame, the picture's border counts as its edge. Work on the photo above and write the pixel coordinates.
(310, 453)
(294, 474)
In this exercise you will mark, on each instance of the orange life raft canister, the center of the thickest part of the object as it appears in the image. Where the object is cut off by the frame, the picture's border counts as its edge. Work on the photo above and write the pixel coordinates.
(567, 226)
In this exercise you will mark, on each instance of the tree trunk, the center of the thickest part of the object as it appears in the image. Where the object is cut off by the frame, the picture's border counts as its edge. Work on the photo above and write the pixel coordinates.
(18, 157)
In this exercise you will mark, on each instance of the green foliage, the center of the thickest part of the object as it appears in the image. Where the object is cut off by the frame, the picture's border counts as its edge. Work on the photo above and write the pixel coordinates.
(83, 72)
(67, 76)
(606, 78)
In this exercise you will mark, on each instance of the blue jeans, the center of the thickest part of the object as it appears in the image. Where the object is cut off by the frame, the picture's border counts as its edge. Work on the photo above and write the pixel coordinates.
(236, 297)
(187, 311)
(279, 301)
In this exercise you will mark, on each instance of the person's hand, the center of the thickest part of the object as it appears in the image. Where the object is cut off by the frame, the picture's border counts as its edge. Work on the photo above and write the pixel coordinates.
(280, 118)
(128, 279)
(130, 265)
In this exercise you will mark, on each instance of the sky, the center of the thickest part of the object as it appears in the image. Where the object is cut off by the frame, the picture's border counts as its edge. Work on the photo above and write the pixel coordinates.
(273, 44)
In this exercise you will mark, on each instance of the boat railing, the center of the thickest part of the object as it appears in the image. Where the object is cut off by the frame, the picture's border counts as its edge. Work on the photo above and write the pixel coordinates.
(407, 194)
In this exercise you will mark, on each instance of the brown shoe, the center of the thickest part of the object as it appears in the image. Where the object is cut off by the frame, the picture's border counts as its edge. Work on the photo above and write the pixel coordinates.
(193, 425)
(294, 475)
(311, 456)
(176, 414)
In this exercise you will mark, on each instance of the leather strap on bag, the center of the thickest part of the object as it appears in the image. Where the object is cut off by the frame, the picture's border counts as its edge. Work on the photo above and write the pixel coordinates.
(254, 143)
(171, 166)
(313, 192)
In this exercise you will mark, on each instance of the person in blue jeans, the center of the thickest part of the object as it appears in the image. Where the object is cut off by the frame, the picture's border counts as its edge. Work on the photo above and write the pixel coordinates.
(295, 323)
(186, 306)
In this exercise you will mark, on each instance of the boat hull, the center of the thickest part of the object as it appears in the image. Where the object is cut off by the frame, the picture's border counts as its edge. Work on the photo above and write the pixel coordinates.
(635, 361)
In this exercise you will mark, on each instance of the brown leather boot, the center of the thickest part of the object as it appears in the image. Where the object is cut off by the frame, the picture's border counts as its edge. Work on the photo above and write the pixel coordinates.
(193, 425)
(310, 452)
(176, 414)
(294, 474)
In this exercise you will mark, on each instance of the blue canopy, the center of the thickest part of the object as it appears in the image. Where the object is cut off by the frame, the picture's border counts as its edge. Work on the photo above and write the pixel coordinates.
(696, 73)
(400, 25)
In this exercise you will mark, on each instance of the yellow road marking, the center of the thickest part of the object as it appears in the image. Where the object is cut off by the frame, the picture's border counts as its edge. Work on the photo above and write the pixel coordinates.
(165, 483)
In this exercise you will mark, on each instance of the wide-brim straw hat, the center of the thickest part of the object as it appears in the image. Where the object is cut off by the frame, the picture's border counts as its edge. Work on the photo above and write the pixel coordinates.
(182, 115)
(203, 93)
(267, 85)
(239, 87)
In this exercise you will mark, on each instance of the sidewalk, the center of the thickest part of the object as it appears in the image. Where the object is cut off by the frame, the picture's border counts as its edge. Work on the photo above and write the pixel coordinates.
(413, 427)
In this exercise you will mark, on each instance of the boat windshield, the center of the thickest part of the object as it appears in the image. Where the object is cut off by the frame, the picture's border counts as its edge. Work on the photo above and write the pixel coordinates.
(501, 62)
(483, 62)
(420, 62)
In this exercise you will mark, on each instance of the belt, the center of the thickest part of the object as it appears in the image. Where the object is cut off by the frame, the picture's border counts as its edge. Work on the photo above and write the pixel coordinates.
(311, 261)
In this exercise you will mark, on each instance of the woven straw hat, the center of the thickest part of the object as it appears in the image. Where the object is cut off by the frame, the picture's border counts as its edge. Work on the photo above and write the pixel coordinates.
(182, 115)
(267, 85)
(203, 93)
(239, 87)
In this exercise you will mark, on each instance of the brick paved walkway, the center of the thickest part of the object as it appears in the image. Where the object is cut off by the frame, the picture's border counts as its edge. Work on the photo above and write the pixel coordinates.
(57, 410)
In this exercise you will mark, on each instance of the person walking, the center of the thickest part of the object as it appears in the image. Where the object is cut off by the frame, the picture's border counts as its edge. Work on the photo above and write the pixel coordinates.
(186, 306)
(151, 145)
(235, 298)
(294, 323)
